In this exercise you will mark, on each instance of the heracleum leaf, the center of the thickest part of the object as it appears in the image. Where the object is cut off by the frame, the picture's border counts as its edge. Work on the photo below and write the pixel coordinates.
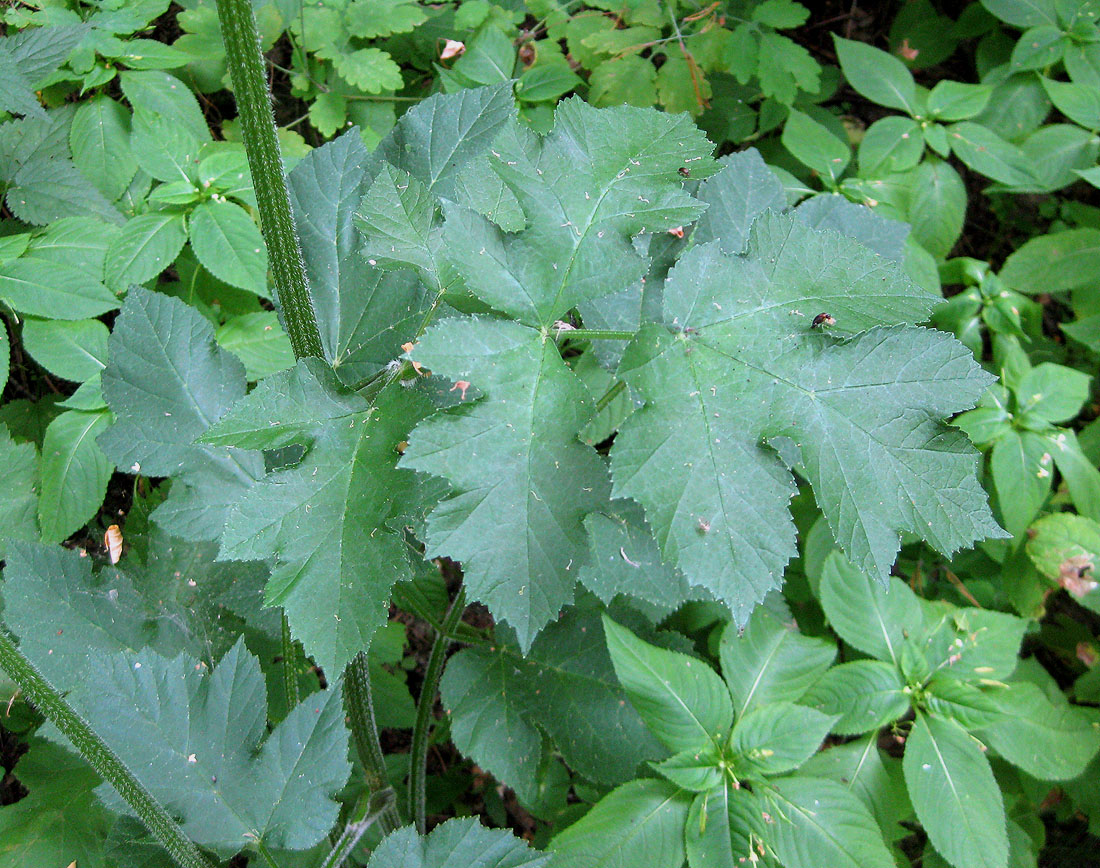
(820, 822)
(456, 844)
(364, 313)
(74, 473)
(680, 698)
(740, 192)
(737, 364)
(332, 523)
(770, 661)
(193, 737)
(955, 795)
(596, 179)
(564, 686)
(523, 482)
(643, 816)
(167, 381)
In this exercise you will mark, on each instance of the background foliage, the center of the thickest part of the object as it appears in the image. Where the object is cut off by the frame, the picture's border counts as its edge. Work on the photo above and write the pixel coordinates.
(735, 364)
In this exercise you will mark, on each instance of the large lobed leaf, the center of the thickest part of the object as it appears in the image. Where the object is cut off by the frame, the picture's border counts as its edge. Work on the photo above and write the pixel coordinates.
(737, 366)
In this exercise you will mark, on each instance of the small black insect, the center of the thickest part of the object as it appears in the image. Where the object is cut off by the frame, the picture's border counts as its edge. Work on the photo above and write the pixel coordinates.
(684, 171)
(823, 319)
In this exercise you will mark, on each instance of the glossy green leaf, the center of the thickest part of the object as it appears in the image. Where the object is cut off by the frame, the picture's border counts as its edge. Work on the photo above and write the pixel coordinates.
(1020, 465)
(987, 153)
(229, 245)
(863, 694)
(865, 614)
(778, 738)
(892, 144)
(100, 142)
(644, 816)
(955, 796)
(957, 101)
(1066, 549)
(1055, 262)
(37, 287)
(725, 826)
(879, 76)
(815, 146)
(682, 701)
(72, 349)
(771, 661)
(937, 206)
(19, 510)
(259, 342)
(147, 244)
(74, 473)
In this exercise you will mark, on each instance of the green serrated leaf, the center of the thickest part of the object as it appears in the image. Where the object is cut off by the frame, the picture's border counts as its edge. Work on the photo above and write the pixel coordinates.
(75, 350)
(332, 523)
(724, 827)
(644, 814)
(737, 345)
(516, 517)
(879, 76)
(19, 510)
(1055, 262)
(74, 473)
(454, 843)
(229, 245)
(566, 687)
(259, 342)
(629, 80)
(778, 738)
(100, 142)
(146, 245)
(369, 69)
(863, 694)
(683, 702)
(370, 19)
(815, 146)
(166, 382)
(953, 791)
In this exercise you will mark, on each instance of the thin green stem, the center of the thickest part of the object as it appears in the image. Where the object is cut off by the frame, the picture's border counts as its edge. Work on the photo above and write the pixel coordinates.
(418, 755)
(610, 395)
(290, 666)
(268, 856)
(369, 812)
(246, 66)
(359, 702)
(99, 755)
(597, 334)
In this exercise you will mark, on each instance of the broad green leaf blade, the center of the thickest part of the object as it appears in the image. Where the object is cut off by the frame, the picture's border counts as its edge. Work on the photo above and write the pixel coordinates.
(100, 142)
(644, 816)
(397, 217)
(693, 769)
(1049, 742)
(455, 844)
(516, 517)
(47, 190)
(37, 287)
(1056, 262)
(815, 146)
(832, 211)
(159, 93)
(565, 686)
(976, 643)
(1066, 549)
(770, 661)
(866, 614)
(879, 76)
(953, 791)
(865, 694)
(192, 738)
(742, 190)
(60, 820)
(72, 349)
(259, 342)
(147, 245)
(971, 706)
(725, 829)
(984, 151)
(626, 560)
(364, 314)
(74, 473)
(738, 362)
(332, 523)
(778, 738)
(19, 509)
(438, 138)
(820, 822)
(598, 178)
(229, 245)
(892, 144)
(874, 777)
(682, 701)
(167, 382)
(937, 206)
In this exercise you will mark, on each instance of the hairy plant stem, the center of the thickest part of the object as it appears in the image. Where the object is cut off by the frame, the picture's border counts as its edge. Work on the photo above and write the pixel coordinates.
(418, 755)
(49, 701)
(290, 666)
(359, 702)
(246, 66)
(369, 812)
(596, 334)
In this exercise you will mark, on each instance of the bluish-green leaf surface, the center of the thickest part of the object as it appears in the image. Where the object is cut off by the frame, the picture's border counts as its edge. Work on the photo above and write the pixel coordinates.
(167, 381)
(333, 522)
(456, 844)
(737, 364)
